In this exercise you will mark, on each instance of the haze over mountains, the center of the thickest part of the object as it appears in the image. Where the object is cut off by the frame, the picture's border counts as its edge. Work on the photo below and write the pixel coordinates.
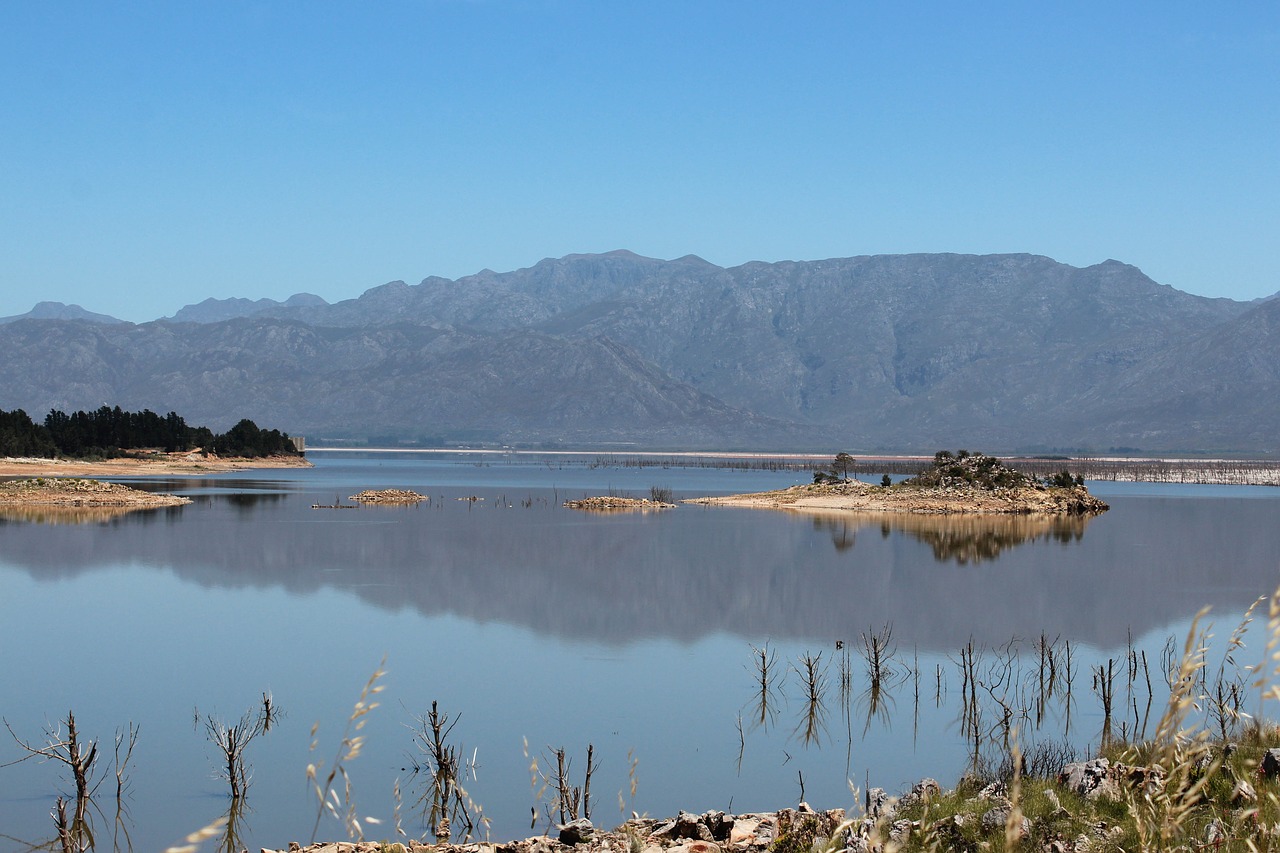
(1005, 353)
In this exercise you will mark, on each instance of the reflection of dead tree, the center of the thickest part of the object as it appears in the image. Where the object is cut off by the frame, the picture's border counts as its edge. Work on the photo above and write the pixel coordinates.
(232, 838)
(878, 651)
(1104, 686)
(813, 677)
(970, 710)
(765, 662)
(125, 741)
(270, 711)
(1004, 687)
(846, 697)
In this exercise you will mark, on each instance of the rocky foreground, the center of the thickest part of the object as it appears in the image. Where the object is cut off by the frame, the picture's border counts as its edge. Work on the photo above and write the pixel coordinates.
(1212, 798)
(711, 832)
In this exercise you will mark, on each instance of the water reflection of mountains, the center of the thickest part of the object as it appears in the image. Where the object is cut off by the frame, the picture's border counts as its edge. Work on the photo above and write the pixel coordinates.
(962, 539)
(693, 572)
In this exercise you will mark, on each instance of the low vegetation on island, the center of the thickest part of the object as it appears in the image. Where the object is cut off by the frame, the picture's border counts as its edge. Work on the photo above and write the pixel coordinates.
(959, 482)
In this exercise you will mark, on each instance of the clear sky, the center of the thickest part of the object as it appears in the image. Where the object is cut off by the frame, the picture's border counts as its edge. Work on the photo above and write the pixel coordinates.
(153, 154)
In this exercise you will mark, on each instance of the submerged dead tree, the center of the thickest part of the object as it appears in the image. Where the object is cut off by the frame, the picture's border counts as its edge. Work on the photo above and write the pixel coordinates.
(64, 745)
(445, 801)
(232, 742)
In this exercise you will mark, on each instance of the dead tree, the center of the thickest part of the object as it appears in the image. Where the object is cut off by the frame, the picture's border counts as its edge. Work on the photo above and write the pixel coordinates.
(232, 741)
(445, 801)
(79, 757)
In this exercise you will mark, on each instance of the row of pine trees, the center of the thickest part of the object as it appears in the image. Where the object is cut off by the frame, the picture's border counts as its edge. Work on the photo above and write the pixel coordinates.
(108, 432)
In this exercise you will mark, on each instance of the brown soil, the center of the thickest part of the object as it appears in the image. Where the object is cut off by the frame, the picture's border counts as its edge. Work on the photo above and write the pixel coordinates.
(152, 465)
(861, 496)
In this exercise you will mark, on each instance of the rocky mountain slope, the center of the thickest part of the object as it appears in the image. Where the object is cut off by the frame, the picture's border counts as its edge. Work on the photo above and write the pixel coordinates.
(1002, 352)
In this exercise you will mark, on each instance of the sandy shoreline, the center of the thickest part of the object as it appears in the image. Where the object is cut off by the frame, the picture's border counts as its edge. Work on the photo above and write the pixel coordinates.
(157, 465)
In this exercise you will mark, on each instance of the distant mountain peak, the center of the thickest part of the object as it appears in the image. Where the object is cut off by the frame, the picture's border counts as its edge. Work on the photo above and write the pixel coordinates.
(61, 311)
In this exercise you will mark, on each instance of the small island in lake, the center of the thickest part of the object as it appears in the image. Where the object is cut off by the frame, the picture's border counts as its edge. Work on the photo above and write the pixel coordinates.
(958, 482)
(609, 503)
(388, 496)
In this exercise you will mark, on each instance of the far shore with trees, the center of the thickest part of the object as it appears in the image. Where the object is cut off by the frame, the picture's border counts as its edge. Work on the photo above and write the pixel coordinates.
(112, 433)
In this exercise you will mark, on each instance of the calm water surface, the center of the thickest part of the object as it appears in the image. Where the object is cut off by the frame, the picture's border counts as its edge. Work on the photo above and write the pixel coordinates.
(543, 627)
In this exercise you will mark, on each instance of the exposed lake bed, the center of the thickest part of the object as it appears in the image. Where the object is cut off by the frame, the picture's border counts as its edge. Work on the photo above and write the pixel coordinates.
(493, 606)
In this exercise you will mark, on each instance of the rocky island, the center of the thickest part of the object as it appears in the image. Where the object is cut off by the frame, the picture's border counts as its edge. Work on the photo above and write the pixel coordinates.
(388, 496)
(960, 482)
(611, 503)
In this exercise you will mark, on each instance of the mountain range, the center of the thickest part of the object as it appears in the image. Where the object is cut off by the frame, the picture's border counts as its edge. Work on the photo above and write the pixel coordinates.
(1004, 353)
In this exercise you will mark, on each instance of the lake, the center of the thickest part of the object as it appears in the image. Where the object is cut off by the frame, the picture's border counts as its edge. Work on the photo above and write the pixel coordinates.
(539, 628)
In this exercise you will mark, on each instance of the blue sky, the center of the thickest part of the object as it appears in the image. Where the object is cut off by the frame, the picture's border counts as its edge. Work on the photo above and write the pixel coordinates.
(154, 154)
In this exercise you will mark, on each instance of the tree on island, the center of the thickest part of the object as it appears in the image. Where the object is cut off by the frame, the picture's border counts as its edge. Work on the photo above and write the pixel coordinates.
(843, 464)
(840, 468)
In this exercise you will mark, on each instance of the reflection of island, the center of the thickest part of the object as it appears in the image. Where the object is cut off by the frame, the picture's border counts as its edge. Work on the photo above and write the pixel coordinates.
(963, 539)
(694, 572)
(65, 514)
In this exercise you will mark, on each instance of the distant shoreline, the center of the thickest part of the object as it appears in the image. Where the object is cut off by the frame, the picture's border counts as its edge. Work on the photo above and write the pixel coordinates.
(1188, 470)
(624, 453)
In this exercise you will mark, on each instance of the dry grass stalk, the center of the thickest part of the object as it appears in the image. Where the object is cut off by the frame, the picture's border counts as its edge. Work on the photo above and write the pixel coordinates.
(1161, 810)
(195, 839)
(328, 799)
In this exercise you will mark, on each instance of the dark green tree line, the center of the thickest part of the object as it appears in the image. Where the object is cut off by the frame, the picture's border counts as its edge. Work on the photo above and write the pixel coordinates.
(109, 431)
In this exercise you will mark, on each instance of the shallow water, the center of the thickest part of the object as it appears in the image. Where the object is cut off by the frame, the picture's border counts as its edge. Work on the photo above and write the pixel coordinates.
(549, 627)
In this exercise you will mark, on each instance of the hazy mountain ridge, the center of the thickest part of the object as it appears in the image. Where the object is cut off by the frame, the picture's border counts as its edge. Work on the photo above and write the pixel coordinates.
(60, 311)
(214, 310)
(995, 351)
(403, 380)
